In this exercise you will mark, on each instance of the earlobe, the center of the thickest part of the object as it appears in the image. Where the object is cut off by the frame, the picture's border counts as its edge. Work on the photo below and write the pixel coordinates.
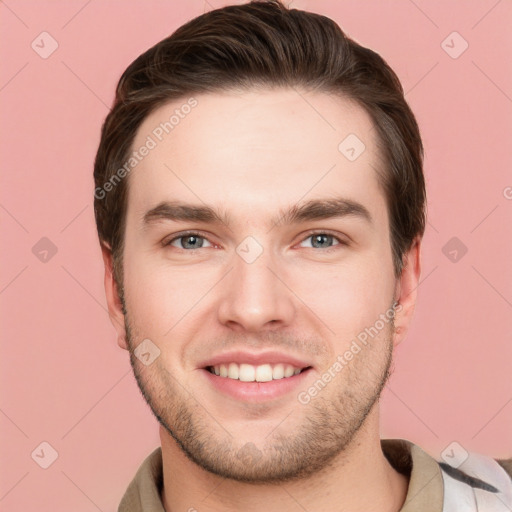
(115, 307)
(406, 291)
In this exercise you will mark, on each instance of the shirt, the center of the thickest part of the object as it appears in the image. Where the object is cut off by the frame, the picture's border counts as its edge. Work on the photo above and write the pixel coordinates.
(428, 480)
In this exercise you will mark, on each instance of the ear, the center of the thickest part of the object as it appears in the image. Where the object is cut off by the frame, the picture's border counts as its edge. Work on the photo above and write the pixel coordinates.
(115, 307)
(406, 291)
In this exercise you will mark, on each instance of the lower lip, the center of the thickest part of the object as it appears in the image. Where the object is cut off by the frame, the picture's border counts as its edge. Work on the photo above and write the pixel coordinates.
(256, 391)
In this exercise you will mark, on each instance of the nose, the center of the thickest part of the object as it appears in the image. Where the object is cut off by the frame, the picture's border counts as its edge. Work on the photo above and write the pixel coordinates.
(255, 296)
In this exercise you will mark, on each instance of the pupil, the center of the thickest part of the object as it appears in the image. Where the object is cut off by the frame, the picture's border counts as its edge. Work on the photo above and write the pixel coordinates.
(190, 241)
(321, 239)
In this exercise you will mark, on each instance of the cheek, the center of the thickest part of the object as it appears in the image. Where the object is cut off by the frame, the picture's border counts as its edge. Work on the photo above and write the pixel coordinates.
(150, 294)
(347, 299)
(163, 299)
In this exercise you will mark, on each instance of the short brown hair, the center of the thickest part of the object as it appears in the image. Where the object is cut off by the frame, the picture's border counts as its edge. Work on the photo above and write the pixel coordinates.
(263, 44)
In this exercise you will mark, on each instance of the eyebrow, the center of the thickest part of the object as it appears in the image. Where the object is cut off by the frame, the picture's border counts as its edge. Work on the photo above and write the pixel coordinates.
(315, 209)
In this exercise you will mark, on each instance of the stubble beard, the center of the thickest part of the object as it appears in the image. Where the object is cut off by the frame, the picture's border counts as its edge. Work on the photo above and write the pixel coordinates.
(328, 424)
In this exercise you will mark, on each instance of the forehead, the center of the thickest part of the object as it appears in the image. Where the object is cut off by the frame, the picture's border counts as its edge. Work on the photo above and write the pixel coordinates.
(256, 152)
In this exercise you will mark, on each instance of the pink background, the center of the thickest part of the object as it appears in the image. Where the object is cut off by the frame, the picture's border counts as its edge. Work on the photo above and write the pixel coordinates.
(65, 381)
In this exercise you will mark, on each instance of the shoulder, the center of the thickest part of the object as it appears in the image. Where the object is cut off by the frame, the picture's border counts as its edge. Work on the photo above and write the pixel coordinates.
(479, 481)
(143, 492)
(466, 484)
(506, 464)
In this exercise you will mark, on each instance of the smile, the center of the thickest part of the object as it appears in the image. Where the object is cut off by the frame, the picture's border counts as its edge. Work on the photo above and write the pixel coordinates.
(252, 373)
(248, 383)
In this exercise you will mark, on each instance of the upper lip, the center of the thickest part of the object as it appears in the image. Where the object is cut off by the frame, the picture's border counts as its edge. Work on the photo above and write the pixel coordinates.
(240, 357)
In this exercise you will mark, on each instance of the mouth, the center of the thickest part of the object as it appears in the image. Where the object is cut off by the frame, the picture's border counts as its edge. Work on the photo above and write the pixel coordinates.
(250, 383)
(252, 373)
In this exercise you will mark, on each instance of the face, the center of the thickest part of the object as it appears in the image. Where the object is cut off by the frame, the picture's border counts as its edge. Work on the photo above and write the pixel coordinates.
(254, 240)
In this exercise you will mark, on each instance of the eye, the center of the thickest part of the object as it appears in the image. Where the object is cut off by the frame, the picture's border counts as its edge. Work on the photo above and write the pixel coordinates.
(192, 240)
(321, 240)
(189, 241)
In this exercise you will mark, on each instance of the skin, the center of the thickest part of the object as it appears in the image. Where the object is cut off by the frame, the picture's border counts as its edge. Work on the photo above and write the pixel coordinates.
(251, 155)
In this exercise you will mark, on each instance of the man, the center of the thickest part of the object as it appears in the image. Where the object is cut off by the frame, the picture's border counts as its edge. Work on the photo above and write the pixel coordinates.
(260, 204)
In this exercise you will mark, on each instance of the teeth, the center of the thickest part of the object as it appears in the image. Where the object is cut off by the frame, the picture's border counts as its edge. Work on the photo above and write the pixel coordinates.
(263, 373)
(278, 371)
(247, 373)
(250, 373)
(234, 371)
(288, 370)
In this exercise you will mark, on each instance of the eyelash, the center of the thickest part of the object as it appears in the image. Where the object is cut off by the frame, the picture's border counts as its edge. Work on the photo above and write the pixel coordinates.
(309, 235)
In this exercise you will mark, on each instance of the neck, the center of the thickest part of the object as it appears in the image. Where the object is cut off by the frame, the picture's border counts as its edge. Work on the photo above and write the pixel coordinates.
(359, 478)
